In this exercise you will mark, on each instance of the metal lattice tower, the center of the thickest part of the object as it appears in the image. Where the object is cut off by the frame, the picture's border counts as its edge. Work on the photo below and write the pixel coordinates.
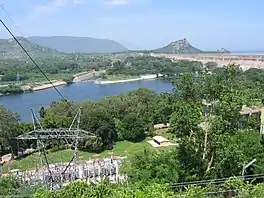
(55, 175)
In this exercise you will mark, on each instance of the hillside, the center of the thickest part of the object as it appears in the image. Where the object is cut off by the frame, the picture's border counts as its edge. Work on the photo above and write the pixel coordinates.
(9, 48)
(68, 44)
(178, 47)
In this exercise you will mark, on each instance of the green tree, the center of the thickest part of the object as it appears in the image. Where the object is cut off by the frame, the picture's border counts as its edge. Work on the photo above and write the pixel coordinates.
(8, 120)
(133, 128)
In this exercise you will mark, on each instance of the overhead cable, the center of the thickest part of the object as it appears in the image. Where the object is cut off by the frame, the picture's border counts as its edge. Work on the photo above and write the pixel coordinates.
(33, 61)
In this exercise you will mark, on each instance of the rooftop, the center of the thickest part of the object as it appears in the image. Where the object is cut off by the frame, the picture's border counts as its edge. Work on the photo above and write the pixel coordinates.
(160, 139)
(249, 110)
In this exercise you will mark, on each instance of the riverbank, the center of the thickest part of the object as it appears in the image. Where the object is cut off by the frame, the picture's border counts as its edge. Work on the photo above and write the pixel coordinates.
(48, 85)
(86, 76)
(142, 77)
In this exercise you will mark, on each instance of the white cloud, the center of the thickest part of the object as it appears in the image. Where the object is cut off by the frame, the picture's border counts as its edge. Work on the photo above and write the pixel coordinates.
(118, 2)
(43, 10)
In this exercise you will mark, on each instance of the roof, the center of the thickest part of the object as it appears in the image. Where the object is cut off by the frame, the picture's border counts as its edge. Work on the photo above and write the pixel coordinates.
(160, 139)
(249, 110)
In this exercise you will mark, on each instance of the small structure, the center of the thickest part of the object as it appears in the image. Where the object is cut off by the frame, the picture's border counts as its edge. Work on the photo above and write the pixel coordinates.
(159, 141)
(161, 126)
(254, 111)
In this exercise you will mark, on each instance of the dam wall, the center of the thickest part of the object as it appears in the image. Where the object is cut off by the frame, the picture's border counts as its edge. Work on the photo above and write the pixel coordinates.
(245, 61)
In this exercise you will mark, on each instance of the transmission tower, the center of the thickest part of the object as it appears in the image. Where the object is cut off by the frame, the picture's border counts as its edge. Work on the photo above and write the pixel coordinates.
(55, 175)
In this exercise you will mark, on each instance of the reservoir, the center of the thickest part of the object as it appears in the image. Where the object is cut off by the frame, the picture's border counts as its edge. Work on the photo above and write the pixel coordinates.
(77, 92)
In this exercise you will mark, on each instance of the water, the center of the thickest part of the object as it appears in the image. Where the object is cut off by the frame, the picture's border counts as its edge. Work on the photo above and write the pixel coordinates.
(77, 92)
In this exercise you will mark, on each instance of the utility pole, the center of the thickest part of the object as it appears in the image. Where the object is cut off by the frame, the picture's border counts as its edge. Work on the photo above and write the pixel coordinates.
(248, 165)
(17, 78)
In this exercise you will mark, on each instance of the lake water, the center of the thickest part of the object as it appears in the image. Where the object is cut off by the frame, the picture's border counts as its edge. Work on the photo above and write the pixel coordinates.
(77, 92)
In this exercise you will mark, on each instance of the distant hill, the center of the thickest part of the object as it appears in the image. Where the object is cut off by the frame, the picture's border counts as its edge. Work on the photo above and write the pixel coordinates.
(178, 47)
(223, 51)
(220, 51)
(10, 49)
(68, 44)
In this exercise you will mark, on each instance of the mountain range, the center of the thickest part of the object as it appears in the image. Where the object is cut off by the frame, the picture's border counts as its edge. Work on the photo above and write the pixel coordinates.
(68, 44)
(55, 45)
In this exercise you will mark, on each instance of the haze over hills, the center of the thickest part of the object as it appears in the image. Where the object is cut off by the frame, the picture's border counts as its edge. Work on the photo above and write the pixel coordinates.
(68, 44)
(10, 49)
(49, 46)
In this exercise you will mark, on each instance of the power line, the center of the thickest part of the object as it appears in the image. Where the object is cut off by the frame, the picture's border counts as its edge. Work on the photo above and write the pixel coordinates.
(216, 181)
(10, 18)
(34, 62)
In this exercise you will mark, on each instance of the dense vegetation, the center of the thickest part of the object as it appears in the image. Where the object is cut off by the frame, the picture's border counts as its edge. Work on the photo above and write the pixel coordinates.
(149, 65)
(54, 67)
(214, 140)
(234, 186)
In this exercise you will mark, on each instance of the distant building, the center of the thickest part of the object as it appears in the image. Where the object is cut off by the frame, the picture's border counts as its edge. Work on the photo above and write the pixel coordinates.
(159, 141)
(255, 111)
(161, 126)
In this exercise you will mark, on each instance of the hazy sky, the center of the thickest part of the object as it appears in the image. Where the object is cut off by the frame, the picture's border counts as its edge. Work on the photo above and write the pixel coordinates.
(207, 24)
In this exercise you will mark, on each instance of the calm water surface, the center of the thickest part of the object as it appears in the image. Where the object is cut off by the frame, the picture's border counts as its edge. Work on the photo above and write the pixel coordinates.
(77, 92)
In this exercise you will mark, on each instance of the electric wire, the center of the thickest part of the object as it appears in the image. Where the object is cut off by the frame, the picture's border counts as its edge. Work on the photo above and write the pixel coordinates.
(183, 184)
(42, 72)
(10, 18)
(34, 62)
(216, 181)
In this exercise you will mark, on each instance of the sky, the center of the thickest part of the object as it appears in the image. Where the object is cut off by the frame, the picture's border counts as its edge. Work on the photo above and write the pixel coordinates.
(142, 24)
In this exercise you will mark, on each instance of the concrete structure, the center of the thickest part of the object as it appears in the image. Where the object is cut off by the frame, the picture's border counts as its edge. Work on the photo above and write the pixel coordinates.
(159, 141)
(245, 61)
(161, 126)
(256, 112)
(92, 171)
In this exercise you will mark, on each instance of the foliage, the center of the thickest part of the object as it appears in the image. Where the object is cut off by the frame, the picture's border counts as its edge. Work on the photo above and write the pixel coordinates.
(158, 166)
(139, 65)
(10, 89)
(8, 121)
(211, 145)
(10, 187)
(81, 189)
(132, 128)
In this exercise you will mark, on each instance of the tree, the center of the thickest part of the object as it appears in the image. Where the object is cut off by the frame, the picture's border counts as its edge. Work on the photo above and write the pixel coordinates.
(133, 128)
(147, 166)
(210, 66)
(185, 118)
(7, 128)
(99, 122)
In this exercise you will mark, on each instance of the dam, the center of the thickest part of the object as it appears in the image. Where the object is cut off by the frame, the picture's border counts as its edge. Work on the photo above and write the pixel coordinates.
(245, 61)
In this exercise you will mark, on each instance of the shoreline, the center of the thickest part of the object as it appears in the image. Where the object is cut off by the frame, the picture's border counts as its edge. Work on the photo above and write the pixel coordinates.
(47, 86)
(56, 83)
(142, 77)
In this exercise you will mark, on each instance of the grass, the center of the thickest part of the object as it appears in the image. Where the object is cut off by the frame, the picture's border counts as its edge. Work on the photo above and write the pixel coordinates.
(123, 148)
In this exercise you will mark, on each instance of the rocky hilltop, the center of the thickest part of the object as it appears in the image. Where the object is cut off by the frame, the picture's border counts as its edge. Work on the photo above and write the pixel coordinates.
(178, 47)
(223, 51)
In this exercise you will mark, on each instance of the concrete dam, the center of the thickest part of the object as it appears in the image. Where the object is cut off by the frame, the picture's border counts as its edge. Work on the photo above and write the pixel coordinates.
(245, 61)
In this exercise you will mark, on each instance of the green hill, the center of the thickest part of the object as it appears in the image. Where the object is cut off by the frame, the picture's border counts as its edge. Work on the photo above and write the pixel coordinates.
(178, 47)
(68, 44)
(10, 49)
